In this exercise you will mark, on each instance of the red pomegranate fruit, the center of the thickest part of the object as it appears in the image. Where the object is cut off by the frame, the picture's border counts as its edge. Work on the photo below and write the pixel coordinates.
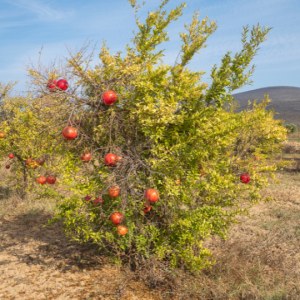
(62, 84)
(114, 192)
(110, 159)
(109, 97)
(152, 195)
(147, 207)
(51, 179)
(52, 83)
(98, 200)
(245, 178)
(87, 198)
(40, 161)
(122, 230)
(41, 180)
(69, 133)
(86, 157)
(117, 218)
(31, 163)
(119, 158)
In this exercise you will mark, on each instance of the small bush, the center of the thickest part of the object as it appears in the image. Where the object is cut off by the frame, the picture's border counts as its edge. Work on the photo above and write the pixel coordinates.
(291, 127)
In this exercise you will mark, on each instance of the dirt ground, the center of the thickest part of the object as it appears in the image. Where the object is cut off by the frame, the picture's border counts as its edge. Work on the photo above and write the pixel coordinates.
(259, 260)
(40, 263)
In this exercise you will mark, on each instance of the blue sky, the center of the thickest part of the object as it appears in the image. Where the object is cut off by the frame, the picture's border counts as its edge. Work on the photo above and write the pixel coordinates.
(27, 25)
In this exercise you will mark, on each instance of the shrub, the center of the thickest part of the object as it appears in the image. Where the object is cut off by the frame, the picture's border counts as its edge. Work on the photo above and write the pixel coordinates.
(166, 125)
(291, 127)
(30, 134)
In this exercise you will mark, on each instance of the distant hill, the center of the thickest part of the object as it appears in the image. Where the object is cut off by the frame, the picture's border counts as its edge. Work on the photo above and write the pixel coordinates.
(285, 101)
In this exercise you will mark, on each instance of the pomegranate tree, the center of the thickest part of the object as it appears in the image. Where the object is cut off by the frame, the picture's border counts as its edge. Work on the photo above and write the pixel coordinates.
(152, 124)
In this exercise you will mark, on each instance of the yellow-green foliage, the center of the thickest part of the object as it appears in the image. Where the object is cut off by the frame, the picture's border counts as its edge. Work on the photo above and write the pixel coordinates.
(29, 134)
(166, 124)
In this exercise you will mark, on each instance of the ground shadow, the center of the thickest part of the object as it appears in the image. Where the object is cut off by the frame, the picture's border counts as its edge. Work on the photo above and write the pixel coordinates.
(27, 228)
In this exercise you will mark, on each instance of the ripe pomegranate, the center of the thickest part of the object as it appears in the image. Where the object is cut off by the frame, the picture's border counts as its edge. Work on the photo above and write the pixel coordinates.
(62, 84)
(51, 85)
(40, 161)
(2, 135)
(117, 218)
(87, 198)
(245, 178)
(31, 163)
(152, 195)
(69, 133)
(10, 155)
(41, 180)
(110, 159)
(114, 192)
(202, 174)
(7, 166)
(148, 207)
(98, 200)
(109, 97)
(119, 158)
(51, 179)
(256, 158)
(28, 161)
(86, 156)
(122, 230)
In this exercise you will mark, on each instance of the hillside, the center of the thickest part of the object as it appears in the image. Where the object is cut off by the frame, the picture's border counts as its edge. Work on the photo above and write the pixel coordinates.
(285, 101)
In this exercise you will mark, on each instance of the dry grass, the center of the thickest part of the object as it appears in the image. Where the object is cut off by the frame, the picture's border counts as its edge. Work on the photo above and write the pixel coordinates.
(291, 147)
(259, 260)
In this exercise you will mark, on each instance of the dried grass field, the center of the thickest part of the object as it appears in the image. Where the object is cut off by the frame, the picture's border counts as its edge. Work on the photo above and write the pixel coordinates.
(259, 260)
